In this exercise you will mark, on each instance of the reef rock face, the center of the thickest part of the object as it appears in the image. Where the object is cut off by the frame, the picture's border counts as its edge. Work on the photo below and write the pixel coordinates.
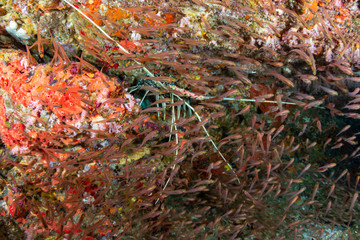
(42, 108)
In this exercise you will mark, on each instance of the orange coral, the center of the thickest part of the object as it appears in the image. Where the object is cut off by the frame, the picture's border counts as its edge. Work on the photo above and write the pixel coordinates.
(15, 136)
(61, 102)
(307, 7)
(2, 113)
(115, 14)
(169, 18)
(93, 6)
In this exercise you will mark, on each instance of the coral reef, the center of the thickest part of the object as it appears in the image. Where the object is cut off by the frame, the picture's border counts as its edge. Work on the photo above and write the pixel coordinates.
(38, 102)
(196, 119)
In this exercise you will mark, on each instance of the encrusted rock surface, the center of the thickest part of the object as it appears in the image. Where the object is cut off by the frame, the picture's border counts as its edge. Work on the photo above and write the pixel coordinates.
(39, 104)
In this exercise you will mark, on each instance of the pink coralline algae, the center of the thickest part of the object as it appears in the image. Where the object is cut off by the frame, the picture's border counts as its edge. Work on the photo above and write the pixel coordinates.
(39, 105)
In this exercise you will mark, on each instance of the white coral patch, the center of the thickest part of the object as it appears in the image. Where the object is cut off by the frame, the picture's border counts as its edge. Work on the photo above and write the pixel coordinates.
(272, 42)
(311, 45)
(356, 55)
(114, 127)
(103, 95)
(30, 120)
(20, 34)
(135, 36)
(97, 124)
(185, 21)
(20, 150)
(131, 102)
(24, 62)
(329, 55)
(53, 120)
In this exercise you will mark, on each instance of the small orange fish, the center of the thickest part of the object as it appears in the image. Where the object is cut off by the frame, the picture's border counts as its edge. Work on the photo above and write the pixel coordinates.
(332, 188)
(353, 201)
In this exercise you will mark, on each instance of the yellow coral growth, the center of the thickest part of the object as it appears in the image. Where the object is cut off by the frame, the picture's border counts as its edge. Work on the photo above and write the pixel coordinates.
(115, 14)
(93, 5)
